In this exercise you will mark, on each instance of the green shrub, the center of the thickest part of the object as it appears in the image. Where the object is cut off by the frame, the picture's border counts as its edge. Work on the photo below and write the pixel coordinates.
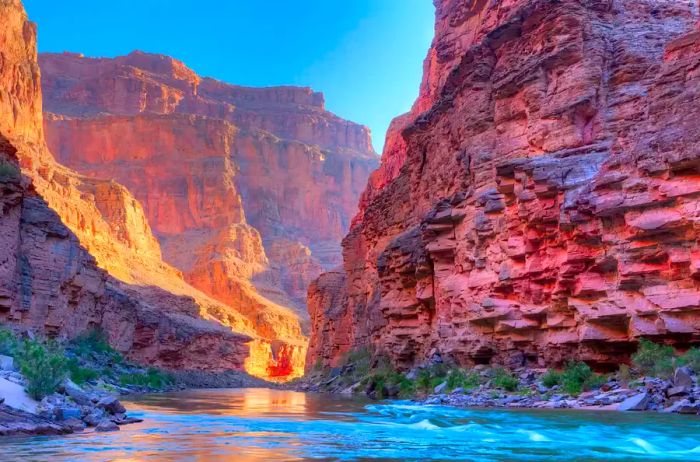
(79, 374)
(459, 378)
(654, 359)
(44, 366)
(577, 377)
(386, 377)
(94, 343)
(153, 378)
(360, 359)
(504, 379)
(624, 373)
(8, 170)
(551, 378)
(430, 377)
(692, 359)
(8, 342)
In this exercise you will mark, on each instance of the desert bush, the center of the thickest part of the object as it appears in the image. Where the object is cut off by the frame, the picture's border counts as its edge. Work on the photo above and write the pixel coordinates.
(43, 365)
(153, 378)
(460, 378)
(625, 373)
(578, 377)
(654, 359)
(691, 358)
(430, 377)
(93, 343)
(503, 379)
(8, 342)
(79, 374)
(384, 379)
(551, 378)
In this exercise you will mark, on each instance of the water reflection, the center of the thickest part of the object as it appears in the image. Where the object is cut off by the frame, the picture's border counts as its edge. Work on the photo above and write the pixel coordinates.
(259, 425)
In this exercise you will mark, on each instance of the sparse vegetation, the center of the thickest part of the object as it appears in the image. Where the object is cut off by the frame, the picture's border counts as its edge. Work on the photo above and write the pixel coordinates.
(691, 359)
(8, 342)
(654, 359)
(551, 378)
(624, 373)
(461, 378)
(504, 379)
(153, 378)
(430, 377)
(574, 379)
(81, 375)
(93, 343)
(386, 383)
(43, 365)
(578, 377)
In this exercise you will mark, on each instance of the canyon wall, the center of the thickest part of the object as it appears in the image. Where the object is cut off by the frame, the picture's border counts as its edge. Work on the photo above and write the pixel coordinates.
(540, 202)
(49, 283)
(247, 190)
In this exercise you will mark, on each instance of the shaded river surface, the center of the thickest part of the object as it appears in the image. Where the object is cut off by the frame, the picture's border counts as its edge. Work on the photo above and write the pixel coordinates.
(266, 425)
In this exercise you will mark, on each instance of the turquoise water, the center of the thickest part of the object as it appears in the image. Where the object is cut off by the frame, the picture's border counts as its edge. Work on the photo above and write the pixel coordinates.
(261, 425)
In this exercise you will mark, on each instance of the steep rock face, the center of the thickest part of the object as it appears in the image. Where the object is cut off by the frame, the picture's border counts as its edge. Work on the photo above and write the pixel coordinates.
(552, 176)
(248, 191)
(50, 284)
(298, 168)
(51, 215)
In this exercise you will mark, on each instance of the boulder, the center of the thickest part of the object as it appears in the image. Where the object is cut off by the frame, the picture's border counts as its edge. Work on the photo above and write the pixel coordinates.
(107, 426)
(440, 388)
(76, 425)
(683, 378)
(111, 405)
(94, 418)
(76, 393)
(689, 408)
(7, 363)
(677, 391)
(637, 402)
(66, 413)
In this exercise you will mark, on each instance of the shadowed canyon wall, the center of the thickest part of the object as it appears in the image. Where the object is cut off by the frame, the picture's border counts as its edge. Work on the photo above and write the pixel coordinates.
(248, 191)
(541, 200)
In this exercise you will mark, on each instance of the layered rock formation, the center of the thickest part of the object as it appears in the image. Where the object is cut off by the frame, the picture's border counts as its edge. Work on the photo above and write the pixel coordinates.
(541, 200)
(248, 191)
(61, 230)
(49, 283)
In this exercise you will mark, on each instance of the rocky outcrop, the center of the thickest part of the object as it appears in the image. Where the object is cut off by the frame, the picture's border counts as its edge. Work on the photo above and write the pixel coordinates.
(60, 228)
(248, 191)
(271, 157)
(540, 201)
(50, 284)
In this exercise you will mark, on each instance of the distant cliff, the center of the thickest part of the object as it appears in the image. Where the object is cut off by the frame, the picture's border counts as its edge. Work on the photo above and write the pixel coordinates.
(248, 190)
(541, 200)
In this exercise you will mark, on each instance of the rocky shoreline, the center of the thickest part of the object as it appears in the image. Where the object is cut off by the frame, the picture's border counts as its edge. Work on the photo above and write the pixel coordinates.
(659, 381)
(72, 408)
(680, 394)
(52, 388)
(75, 408)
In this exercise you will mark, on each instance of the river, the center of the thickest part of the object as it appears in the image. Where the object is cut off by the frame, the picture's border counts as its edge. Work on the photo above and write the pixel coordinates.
(266, 425)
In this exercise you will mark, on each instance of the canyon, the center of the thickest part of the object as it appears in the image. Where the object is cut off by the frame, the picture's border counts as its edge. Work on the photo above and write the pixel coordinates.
(181, 215)
(540, 201)
(49, 283)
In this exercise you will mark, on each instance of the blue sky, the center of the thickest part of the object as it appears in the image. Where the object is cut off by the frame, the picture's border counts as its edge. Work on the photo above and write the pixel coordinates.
(365, 55)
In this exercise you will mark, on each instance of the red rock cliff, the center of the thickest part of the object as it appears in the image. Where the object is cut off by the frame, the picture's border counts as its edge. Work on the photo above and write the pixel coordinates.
(248, 191)
(541, 200)
(49, 283)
